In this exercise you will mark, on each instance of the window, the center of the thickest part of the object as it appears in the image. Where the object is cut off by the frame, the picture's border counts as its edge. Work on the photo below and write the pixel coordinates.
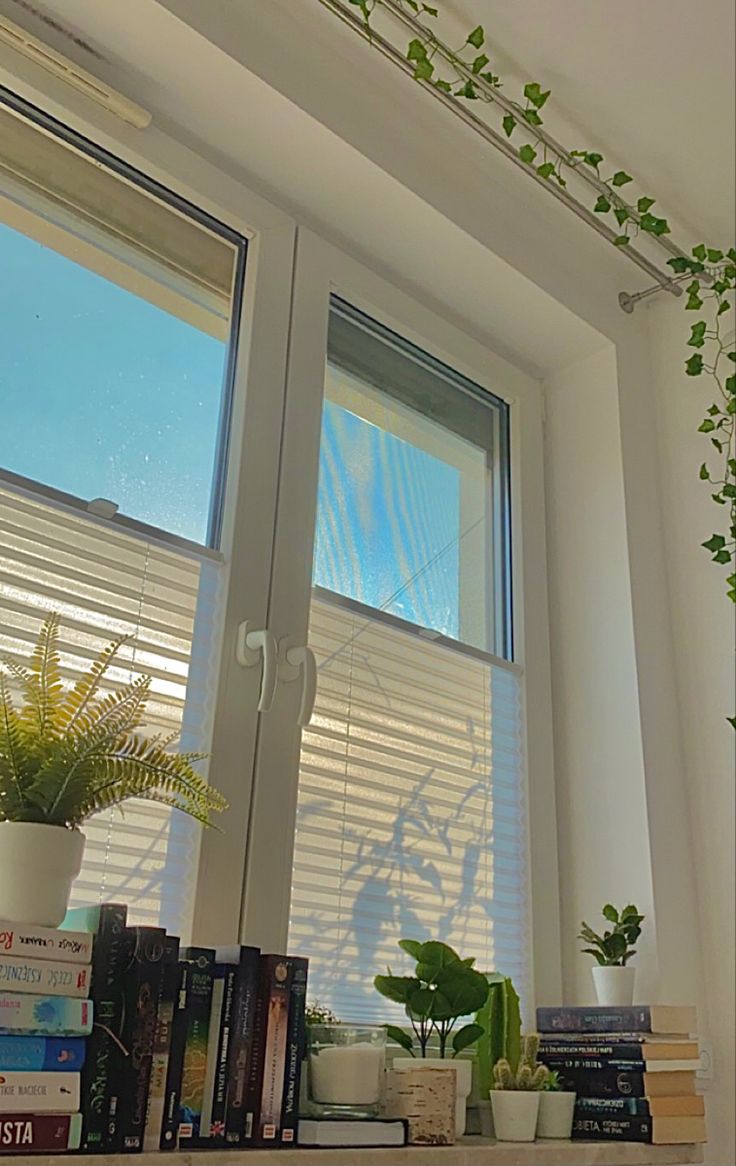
(115, 323)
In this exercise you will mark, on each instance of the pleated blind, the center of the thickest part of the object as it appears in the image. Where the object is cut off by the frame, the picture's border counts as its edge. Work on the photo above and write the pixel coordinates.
(105, 582)
(411, 810)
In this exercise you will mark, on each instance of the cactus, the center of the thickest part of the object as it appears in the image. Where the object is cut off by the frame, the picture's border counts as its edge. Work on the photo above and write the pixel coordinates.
(529, 1075)
(500, 1019)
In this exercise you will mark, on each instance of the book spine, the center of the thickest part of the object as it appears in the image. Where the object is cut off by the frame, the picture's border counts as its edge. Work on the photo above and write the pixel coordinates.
(219, 1096)
(45, 943)
(562, 1064)
(142, 991)
(295, 1050)
(618, 1128)
(44, 1015)
(604, 1083)
(43, 977)
(276, 989)
(108, 968)
(608, 1020)
(162, 1045)
(203, 1140)
(191, 1100)
(170, 1123)
(612, 1106)
(26, 1054)
(618, 1051)
(241, 1044)
(39, 1092)
(39, 1132)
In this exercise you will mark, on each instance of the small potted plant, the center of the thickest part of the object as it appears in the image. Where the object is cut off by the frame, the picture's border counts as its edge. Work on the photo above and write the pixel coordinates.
(613, 979)
(516, 1092)
(443, 989)
(66, 754)
(556, 1109)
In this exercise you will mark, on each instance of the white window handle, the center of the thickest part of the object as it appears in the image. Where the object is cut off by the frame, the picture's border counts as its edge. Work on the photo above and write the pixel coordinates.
(252, 645)
(295, 661)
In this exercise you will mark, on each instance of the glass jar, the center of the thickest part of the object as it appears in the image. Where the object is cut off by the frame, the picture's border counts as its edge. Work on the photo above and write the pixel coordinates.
(346, 1066)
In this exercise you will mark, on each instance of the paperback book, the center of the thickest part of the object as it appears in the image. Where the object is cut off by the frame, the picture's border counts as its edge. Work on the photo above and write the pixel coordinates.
(28, 1054)
(174, 1070)
(272, 1067)
(39, 1133)
(44, 1015)
(652, 1018)
(241, 1039)
(142, 988)
(45, 943)
(156, 1111)
(612, 1083)
(39, 1092)
(43, 977)
(629, 1128)
(641, 1106)
(192, 1096)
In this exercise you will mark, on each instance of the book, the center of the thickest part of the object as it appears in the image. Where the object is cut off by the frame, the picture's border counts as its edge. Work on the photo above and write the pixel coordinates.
(615, 1083)
(655, 1018)
(268, 1062)
(40, 1133)
(194, 1067)
(561, 1064)
(179, 1025)
(643, 1106)
(45, 943)
(44, 1015)
(43, 977)
(142, 987)
(218, 1107)
(611, 1048)
(352, 1134)
(39, 1092)
(629, 1128)
(27, 1054)
(99, 1074)
(156, 1110)
(241, 1037)
(203, 1140)
(296, 1049)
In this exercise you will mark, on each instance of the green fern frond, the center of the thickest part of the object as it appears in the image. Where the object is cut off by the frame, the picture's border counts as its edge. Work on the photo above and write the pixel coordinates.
(76, 702)
(44, 669)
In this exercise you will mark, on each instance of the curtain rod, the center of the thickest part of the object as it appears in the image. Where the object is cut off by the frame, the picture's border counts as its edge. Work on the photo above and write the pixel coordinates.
(355, 21)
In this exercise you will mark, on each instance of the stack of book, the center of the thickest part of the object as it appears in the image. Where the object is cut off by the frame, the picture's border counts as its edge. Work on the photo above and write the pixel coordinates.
(45, 1016)
(633, 1070)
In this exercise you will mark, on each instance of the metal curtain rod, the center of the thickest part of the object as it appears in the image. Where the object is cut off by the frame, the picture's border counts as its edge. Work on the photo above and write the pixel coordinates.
(355, 21)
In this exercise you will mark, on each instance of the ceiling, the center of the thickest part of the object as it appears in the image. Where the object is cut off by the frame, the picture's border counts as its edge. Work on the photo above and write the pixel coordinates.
(653, 86)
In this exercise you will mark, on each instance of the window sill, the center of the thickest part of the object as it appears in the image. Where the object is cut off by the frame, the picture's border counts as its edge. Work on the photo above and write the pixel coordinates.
(469, 1152)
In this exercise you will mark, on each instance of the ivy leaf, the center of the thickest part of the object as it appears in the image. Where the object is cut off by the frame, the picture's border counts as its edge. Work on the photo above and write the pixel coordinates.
(429, 10)
(700, 252)
(704, 473)
(509, 124)
(412, 4)
(654, 225)
(731, 356)
(593, 159)
(621, 241)
(706, 426)
(718, 444)
(731, 384)
(643, 205)
(715, 543)
(527, 154)
(729, 490)
(622, 215)
(477, 37)
(694, 303)
(532, 117)
(679, 264)
(492, 79)
(693, 368)
(731, 406)
(480, 63)
(603, 206)
(717, 498)
(445, 86)
(731, 254)
(697, 335)
(416, 50)
(467, 90)
(714, 256)
(423, 71)
(714, 411)
(620, 178)
(546, 170)
(722, 557)
(732, 720)
(724, 307)
(533, 92)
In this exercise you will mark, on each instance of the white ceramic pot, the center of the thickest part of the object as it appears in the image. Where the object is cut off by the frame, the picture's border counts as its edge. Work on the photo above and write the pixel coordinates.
(614, 986)
(555, 1115)
(515, 1114)
(464, 1079)
(38, 865)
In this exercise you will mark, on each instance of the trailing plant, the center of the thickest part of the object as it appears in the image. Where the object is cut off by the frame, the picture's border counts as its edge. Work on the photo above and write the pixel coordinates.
(68, 753)
(614, 948)
(529, 1075)
(467, 73)
(317, 1013)
(443, 989)
(500, 1020)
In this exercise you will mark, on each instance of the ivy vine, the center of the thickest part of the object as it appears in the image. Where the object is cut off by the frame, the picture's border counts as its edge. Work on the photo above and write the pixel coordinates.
(711, 272)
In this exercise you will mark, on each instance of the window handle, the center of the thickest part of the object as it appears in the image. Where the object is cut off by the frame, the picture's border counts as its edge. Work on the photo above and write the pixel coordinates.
(298, 660)
(251, 646)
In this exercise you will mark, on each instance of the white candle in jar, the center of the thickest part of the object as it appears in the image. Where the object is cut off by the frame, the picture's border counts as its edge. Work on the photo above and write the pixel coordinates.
(346, 1074)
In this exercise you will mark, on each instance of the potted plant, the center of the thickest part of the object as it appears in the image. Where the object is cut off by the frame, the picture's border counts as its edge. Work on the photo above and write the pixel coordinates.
(443, 989)
(614, 981)
(500, 1019)
(556, 1109)
(65, 754)
(516, 1092)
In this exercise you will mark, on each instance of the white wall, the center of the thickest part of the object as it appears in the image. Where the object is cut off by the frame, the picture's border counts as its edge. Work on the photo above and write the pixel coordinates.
(703, 634)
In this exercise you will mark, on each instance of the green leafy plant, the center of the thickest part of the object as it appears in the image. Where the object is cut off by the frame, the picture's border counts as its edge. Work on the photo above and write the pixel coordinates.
(615, 947)
(317, 1013)
(467, 73)
(500, 1020)
(529, 1075)
(70, 752)
(554, 1083)
(443, 989)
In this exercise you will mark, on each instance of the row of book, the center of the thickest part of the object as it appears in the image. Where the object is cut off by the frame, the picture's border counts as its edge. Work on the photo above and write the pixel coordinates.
(113, 1039)
(633, 1070)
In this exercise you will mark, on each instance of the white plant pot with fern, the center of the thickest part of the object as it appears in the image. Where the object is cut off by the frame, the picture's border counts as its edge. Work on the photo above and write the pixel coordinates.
(38, 865)
(515, 1114)
(614, 986)
(556, 1110)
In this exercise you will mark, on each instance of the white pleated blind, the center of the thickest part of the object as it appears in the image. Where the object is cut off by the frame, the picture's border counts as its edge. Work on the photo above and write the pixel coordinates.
(103, 583)
(411, 811)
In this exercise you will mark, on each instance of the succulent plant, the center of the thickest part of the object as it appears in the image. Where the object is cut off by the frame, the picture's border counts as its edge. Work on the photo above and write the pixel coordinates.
(529, 1076)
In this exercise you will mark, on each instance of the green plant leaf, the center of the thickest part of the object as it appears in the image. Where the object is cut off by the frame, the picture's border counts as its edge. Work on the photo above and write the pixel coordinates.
(700, 252)
(445, 86)
(480, 63)
(704, 473)
(610, 913)
(527, 153)
(534, 93)
(679, 264)
(724, 307)
(620, 178)
(593, 159)
(706, 426)
(430, 10)
(546, 170)
(697, 335)
(466, 1036)
(477, 37)
(731, 384)
(509, 124)
(722, 557)
(400, 1037)
(435, 955)
(715, 543)
(423, 1003)
(603, 205)
(423, 70)
(463, 989)
(396, 988)
(694, 303)
(714, 256)
(532, 117)
(643, 205)
(416, 50)
(654, 225)
(694, 367)
(622, 215)
(621, 241)
(467, 90)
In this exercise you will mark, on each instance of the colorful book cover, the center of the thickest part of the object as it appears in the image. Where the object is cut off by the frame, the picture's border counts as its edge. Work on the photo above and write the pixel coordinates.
(194, 1069)
(45, 943)
(203, 1140)
(219, 1096)
(28, 1054)
(162, 1045)
(296, 1049)
(44, 1015)
(38, 1133)
(142, 987)
(39, 1092)
(170, 1124)
(43, 977)
(270, 1044)
(241, 1040)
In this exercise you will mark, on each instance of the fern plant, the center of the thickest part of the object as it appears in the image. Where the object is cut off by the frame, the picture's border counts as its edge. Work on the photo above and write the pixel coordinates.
(68, 753)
